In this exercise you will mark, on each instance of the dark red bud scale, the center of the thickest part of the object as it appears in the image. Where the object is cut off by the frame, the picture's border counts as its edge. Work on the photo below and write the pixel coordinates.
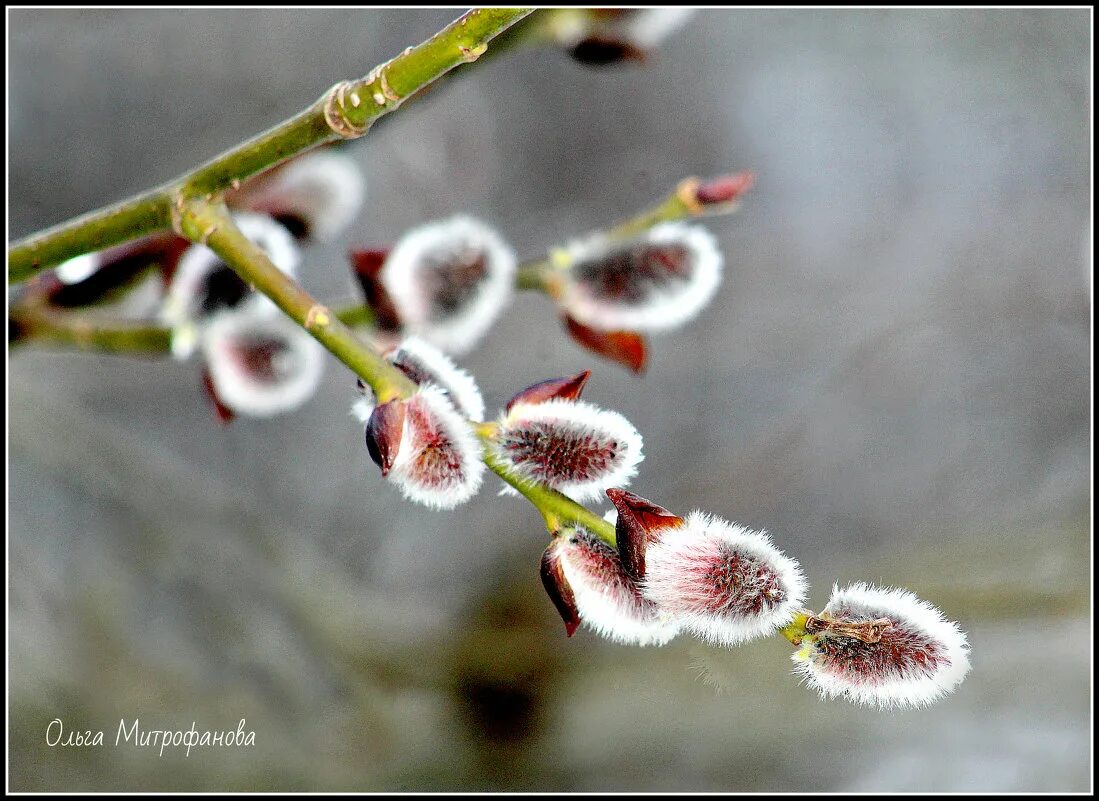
(724, 188)
(553, 579)
(553, 389)
(225, 415)
(367, 265)
(120, 269)
(639, 521)
(384, 431)
(625, 347)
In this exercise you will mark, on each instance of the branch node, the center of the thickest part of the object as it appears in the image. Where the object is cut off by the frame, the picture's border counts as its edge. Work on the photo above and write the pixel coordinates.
(175, 212)
(317, 317)
(471, 54)
(687, 192)
(383, 81)
(335, 113)
(207, 232)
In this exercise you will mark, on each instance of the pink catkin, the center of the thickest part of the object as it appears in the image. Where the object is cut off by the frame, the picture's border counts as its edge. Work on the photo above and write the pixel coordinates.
(632, 273)
(550, 452)
(726, 583)
(903, 650)
(920, 657)
(606, 599)
(436, 461)
(730, 582)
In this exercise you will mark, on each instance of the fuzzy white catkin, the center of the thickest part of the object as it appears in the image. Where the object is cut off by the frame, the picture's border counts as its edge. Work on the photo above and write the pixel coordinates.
(299, 365)
(676, 301)
(679, 558)
(404, 280)
(574, 420)
(407, 472)
(903, 683)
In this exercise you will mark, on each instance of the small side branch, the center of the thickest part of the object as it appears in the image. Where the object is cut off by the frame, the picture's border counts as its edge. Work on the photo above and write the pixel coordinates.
(86, 333)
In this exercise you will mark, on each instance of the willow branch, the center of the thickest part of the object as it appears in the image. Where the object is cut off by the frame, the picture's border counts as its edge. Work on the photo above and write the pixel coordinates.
(345, 111)
(691, 198)
(85, 332)
(210, 224)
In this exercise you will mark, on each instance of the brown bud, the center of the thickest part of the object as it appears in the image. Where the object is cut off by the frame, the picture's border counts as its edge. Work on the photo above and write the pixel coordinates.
(384, 430)
(557, 586)
(625, 347)
(598, 51)
(555, 388)
(367, 264)
(724, 188)
(868, 631)
(639, 521)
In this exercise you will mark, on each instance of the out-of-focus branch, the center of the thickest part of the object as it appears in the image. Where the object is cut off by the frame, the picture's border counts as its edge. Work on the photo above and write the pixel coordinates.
(692, 197)
(30, 323)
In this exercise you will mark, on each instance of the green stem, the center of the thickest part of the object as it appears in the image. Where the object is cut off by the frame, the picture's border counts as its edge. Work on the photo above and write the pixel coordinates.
(554, 506)
(98, 230)
(85, 332)
(358, 315)
(210, 224)
(344, 112)
(795, 631)
(532, 275)
(670, 209)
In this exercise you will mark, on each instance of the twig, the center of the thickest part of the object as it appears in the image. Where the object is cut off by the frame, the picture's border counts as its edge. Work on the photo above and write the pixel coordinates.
(212, 224)
(345, 111)
(85, 332)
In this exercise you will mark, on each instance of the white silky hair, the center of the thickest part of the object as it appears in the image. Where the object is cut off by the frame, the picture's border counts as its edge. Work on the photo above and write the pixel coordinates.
(663, 308)
(700, 539)
(462, 438)
(77, 268)
(180, 306)
(894, 690)
(326, 188)
(574, 415)
(300, 365)
(462, 386)
(363, 407)
(400, 276)
(648, 27)
(614, 615)
(445, 374)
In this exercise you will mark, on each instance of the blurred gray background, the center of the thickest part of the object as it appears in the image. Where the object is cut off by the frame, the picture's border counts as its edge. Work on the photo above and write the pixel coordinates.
(893, 380)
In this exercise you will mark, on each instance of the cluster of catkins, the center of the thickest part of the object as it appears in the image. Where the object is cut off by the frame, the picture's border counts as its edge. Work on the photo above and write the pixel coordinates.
(729, 584)
(666, 574)
(447, 282)
(444, 282)
(256, 361)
